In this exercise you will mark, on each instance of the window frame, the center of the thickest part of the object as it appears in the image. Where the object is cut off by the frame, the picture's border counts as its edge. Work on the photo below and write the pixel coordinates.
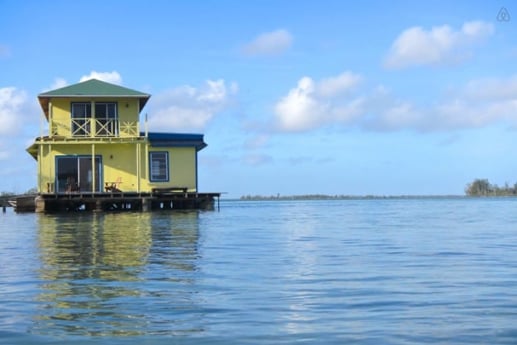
(80, 124)
(107, 115)
(72, 173)
(107, 120)
(157, 156)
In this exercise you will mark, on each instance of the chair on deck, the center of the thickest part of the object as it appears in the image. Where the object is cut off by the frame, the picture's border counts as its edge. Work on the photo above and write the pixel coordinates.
(113, 186)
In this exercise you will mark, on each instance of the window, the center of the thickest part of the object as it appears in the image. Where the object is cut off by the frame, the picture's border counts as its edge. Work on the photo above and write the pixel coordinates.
(106, 119)
(75, 173)
(159, 166)
(81, 115)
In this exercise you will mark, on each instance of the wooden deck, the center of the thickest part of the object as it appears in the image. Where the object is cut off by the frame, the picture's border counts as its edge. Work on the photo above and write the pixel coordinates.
(117, 201)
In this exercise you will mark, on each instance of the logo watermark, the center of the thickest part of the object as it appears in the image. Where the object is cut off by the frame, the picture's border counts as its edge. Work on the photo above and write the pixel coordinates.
(503, 15)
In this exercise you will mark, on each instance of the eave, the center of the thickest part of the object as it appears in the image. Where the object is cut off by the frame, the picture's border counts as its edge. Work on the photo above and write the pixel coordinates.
(92, 89)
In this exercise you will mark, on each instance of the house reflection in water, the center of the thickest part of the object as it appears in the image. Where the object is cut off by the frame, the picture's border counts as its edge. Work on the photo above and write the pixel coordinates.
(117, 274)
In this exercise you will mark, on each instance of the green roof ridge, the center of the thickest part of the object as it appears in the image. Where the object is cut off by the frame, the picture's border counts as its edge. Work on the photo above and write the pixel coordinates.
(93, 87)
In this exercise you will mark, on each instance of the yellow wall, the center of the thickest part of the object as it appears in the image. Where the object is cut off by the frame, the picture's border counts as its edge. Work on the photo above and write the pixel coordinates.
(121, 162)
(182, 168)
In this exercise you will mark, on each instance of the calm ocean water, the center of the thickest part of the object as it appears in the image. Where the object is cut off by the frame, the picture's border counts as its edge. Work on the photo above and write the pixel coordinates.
(381, 271)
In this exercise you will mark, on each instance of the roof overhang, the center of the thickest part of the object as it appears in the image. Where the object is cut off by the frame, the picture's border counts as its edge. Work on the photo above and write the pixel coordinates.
(92, 89)
(157, 139)
(45, 100)
(33, 150)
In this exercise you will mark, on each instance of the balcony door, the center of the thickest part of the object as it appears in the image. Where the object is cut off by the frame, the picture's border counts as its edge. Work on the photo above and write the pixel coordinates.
(106, 117)
(75, 174)
(105, 122)
(81, 115)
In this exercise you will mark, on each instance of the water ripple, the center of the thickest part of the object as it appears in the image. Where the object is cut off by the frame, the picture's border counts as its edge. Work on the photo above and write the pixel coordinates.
(396, 271)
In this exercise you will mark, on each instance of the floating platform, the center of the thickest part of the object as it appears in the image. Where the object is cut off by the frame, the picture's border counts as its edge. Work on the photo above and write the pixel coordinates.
(23, 203)
(116, 201)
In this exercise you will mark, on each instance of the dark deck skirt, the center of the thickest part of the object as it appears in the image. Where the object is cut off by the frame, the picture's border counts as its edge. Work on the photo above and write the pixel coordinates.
(119, 201)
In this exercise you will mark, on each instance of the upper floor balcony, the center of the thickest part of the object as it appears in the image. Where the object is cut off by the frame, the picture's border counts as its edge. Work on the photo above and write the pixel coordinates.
(88, 127)
(93, 109)
(95, 128)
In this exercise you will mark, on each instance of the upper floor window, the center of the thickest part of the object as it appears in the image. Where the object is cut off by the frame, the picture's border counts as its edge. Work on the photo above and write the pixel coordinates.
(106, 117)
(104, 124)
(81, 115)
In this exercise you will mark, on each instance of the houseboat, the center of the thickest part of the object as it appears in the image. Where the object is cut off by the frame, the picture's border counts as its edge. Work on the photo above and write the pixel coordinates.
(96, 156)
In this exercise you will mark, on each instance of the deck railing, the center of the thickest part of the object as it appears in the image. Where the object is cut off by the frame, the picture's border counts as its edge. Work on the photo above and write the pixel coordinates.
(129, 128)
(106, 128)
(87, 127)
(81, 127)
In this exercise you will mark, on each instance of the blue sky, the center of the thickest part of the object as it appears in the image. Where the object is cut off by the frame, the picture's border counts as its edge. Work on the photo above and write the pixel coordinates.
(293, 97)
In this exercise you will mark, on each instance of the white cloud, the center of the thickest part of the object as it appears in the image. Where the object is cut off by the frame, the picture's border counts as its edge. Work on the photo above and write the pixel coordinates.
(190, 108)
(478, 103)
(392, 114)
(440, 45)
(300, 110)
(12, 103)
(461, 113)
(15, 116)
(492, 89)
(269, 44)
(313, 104)
(476, 30)
(112, 77)
(57, 84)
(333, 86)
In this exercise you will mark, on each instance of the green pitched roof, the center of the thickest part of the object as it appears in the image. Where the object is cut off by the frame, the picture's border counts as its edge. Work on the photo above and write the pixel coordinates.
(92, 88)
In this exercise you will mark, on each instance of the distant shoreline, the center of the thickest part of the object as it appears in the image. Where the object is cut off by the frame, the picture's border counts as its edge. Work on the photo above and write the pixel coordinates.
(344, 197)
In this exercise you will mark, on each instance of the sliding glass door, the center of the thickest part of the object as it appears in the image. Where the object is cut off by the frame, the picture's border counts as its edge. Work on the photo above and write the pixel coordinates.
(75, 174)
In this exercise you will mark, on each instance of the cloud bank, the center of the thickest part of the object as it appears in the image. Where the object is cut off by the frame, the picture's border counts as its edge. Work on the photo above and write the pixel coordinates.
(338, 102)
(190, 108)
(440, 45)
(12, 103)
(312, 104)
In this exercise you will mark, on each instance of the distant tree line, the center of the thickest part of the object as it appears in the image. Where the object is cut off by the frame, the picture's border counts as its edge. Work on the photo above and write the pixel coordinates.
(482, 187)
(478, 187)
(33, 190)
(336, 197)
(293, 197)
(4, 196)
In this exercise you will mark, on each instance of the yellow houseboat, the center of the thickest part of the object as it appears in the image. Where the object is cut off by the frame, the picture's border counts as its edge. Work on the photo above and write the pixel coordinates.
(96, 156)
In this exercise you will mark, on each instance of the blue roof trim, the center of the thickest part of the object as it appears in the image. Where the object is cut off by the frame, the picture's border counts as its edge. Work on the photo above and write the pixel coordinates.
(176, 140)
